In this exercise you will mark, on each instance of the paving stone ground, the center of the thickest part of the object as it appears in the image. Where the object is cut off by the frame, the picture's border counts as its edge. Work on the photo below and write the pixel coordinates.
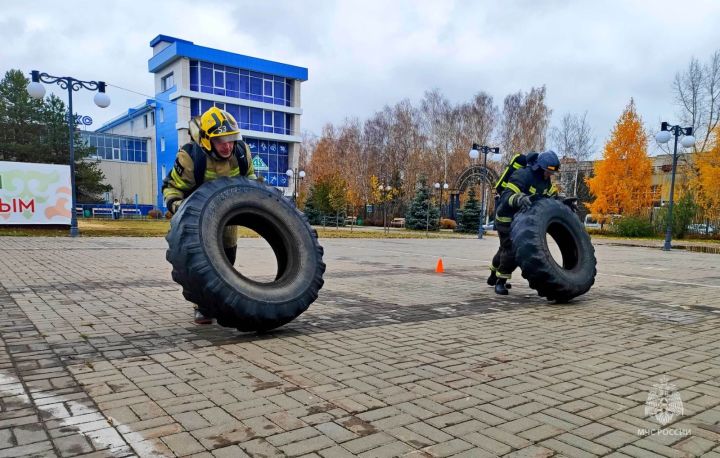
(98, 357)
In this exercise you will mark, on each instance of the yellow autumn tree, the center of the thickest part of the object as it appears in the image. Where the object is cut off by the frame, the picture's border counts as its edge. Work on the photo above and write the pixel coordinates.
(621, 182)
(375, 195)
(708, 167)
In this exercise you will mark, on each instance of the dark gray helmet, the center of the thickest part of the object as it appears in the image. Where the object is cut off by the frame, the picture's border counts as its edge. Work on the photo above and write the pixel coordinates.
(547, 161)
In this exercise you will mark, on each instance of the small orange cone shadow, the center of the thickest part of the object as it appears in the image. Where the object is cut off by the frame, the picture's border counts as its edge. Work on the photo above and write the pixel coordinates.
(439, 268)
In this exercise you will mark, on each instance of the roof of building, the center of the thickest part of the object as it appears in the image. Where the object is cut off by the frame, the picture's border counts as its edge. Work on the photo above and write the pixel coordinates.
(141, 109)
(178, 48)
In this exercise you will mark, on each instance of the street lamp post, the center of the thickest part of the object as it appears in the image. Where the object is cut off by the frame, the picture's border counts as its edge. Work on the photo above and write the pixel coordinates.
(474, 154)
(291, 173)
(437, 187)
(666, 132)
(441, 188)
(384, 192)
(37, 91)
(427, 209)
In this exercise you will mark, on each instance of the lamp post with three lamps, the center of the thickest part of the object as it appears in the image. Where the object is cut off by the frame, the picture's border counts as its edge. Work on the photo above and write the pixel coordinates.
(666, 132)
(474, 155)
(37, 91)
(295, 175)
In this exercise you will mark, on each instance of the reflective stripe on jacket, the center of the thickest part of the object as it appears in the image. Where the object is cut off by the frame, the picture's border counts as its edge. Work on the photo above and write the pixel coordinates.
(523, 181)
(181, 181)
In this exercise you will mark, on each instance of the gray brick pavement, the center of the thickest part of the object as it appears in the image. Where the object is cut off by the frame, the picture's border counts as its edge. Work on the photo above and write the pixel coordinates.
(98, 356)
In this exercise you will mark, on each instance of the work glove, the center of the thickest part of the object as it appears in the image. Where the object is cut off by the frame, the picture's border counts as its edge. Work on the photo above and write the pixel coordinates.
(522, 202)
(571, 202)
(174, 205)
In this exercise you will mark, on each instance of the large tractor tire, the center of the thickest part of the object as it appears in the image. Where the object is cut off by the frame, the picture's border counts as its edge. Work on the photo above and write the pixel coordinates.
(551, 280)
(195, 250)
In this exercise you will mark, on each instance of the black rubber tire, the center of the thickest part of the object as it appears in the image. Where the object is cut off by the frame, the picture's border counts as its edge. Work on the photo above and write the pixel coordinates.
(555, 282)
(200, 266)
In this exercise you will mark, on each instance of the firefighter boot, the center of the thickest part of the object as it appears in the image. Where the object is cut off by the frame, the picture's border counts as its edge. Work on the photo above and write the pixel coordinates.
(231, 254)
(500, 287)
(492, 278)
(201, 318)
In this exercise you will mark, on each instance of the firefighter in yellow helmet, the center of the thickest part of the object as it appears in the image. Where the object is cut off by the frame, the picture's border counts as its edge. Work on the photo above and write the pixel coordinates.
(216, 150)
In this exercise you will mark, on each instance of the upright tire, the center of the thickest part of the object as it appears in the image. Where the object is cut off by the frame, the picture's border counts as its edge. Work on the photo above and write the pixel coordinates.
(195, 250)
(529, 232)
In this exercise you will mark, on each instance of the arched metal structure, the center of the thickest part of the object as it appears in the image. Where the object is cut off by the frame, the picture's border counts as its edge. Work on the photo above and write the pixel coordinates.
(469, 176)
(475, 174)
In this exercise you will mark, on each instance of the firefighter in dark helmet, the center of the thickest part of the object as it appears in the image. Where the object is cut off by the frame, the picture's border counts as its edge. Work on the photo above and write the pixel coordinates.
(216, 150)
(524, 185)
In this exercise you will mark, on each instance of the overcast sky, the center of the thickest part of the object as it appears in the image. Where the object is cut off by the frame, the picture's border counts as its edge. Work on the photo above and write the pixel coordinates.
(362, 55)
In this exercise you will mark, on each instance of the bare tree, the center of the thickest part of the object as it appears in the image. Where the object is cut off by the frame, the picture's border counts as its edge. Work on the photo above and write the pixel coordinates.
(481, 117)
(478, 121)
(405, 139)
(585, 141)
(309, 142)
(352, 166)
(437, 121)
(376, 137)
(563, 136)
(697, 93)
(524, 122)
(305, 150)
(574, 141)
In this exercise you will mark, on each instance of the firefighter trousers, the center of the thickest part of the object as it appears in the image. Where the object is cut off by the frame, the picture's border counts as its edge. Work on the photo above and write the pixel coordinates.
(230, 236)
(503, 263)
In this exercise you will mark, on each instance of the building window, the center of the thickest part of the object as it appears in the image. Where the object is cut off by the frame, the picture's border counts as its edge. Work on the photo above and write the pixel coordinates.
(112, 147)
(162, 143)
(145, 121)
(167, 82)
(234, 82)
(248, 118)
(279, 124)
(152, 118)
(288, 93)
(162, 115)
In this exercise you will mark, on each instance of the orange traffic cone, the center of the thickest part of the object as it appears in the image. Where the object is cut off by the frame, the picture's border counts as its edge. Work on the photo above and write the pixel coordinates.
(439, 268)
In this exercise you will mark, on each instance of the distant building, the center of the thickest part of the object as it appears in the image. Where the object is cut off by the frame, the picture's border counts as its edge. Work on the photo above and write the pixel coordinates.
(138, 148)
(661, 175)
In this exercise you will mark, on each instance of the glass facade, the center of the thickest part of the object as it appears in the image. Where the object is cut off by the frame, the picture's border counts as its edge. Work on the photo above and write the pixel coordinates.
(249, 118)
(270, 159)
(243, 84)
(117, 147)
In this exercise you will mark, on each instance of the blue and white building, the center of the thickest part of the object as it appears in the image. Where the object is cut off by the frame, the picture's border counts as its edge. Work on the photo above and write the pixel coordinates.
(138, 148)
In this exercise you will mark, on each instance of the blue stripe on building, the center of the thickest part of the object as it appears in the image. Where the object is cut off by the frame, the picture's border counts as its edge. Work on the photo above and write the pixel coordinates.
(183, 48)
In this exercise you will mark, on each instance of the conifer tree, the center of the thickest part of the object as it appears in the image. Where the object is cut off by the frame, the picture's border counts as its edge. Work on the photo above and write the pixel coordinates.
(621, 182)
(422, 213)
(470, 214)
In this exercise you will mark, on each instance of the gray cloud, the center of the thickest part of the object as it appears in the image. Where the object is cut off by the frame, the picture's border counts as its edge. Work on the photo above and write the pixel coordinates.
(361, 56)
